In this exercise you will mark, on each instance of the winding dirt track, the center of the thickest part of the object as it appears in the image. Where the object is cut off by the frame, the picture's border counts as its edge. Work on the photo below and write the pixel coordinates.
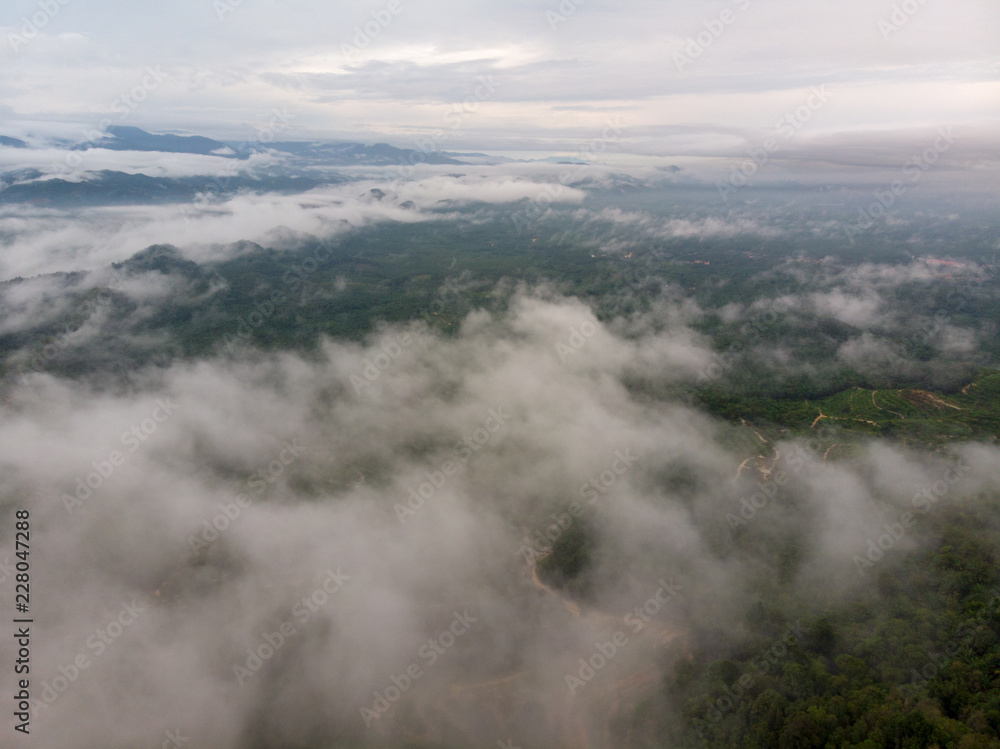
(882, 408)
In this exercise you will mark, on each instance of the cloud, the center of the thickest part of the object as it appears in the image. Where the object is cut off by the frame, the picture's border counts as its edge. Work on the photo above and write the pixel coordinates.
(47, 240)
(303, 473)
(465, 190)
(859, 312)
(74, 166)
(44, 240)
(559, 79)
(710, 227)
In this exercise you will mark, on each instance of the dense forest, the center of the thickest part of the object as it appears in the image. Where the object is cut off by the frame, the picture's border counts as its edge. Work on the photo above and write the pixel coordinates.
(910, 658)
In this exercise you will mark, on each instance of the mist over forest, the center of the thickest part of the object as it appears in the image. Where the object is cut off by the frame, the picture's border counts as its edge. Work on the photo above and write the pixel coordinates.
(537, 376)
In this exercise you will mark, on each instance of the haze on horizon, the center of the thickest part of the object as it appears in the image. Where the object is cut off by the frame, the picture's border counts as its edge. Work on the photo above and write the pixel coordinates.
(684, 78)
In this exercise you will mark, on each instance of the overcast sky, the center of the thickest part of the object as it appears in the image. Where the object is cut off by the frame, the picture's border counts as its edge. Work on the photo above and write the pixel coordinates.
(225, 67)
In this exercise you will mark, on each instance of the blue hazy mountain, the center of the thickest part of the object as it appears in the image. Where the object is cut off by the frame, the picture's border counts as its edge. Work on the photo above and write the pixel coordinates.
(125, 138)
(349, 154)
(118, 188)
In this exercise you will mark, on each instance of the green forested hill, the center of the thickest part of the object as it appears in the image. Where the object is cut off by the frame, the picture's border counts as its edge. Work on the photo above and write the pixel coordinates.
(915, 662)
(913, 416)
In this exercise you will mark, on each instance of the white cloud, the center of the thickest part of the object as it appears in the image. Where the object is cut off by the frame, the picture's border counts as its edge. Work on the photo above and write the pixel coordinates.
(562, 82)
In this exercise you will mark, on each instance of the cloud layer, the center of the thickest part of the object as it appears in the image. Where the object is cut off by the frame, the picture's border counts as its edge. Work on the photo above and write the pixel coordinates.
(556, 70)
(180, 522)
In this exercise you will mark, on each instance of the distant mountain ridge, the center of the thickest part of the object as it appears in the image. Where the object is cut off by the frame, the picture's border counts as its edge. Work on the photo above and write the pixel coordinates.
(111, 187)
(348, 153)
(345, 153)
(303, 165)
(127, 138)
(310, 153)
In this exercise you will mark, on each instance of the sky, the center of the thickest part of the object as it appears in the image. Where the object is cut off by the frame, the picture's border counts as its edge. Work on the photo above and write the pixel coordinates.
(678, 77)
(860, 93)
